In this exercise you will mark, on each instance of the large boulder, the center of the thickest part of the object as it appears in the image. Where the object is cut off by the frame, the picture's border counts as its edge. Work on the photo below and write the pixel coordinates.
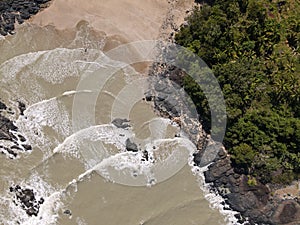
(121, 123)
(131, 146)
(26, 199)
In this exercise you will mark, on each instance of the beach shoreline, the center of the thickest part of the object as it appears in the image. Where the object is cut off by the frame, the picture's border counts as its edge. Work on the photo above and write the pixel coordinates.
(130, 20)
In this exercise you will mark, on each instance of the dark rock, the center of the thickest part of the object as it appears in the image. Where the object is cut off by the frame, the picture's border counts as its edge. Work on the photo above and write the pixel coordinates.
(15, 147)
(241, 203)
(146, 155)
(21, 107)
(22, 139)
(25, 198)
(20, 20)
(252, 201)
(27, 147)
(131, 146)
(11, 153)
(33, 10)
(121, 123)
(197, 158)
(41, 201)
(68, 212)
(208, 155)
(25, 15)
(2, 32)
(148, 96)
(41, 1)
(2, 106)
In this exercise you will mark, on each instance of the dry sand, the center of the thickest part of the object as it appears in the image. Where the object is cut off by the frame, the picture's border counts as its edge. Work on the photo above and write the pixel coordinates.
(130, 20)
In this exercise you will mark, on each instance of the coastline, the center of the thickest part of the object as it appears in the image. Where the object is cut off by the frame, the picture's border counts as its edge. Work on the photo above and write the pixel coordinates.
(220, 174)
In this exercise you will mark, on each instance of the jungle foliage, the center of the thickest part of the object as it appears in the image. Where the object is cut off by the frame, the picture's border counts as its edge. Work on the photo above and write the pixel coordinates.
(253, 49)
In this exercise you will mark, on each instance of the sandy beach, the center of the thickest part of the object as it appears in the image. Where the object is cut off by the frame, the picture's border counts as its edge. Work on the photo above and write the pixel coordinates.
(129, 20)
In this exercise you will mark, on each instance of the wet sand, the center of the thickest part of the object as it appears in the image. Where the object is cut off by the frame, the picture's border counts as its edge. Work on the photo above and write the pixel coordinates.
(131, 19)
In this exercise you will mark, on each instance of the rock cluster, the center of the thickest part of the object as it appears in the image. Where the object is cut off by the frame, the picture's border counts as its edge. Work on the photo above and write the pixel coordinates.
(254, 202)
(11, 140)
(17, 10)
(170, 100)
(26, 198)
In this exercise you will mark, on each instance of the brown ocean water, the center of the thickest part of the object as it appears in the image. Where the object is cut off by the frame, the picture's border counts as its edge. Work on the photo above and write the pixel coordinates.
(42, 67)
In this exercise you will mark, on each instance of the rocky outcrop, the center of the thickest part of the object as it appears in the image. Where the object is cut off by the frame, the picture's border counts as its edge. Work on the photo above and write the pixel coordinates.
(254, 202)
(131, 146)
(26, 198)
(12, 11)
(6, 126)
(11, 140)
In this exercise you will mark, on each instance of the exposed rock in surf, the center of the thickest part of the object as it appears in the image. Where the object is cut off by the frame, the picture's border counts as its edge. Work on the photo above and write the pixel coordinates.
(146, 155)
(21, 138)
(68, 212)
(17, 10)
(14, 141)
(21, 107)
(2, 106)
(26, 199)
(6, 126)
(8, 151)
(121, 123)
(149, 96)
(27, 147)
(131, 146)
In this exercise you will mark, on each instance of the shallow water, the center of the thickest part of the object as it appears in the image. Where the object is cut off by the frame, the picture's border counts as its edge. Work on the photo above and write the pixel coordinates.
(72, 92)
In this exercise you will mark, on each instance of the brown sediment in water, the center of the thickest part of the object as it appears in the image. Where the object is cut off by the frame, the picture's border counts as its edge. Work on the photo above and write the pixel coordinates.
(120, 21)
(178, 200)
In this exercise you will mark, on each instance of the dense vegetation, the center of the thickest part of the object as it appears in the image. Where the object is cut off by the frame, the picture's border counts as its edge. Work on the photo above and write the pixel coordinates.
(253, 48)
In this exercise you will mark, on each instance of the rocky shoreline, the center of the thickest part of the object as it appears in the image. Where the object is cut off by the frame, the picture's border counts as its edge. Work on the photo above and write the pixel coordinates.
(12, 11)
(255, 203)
